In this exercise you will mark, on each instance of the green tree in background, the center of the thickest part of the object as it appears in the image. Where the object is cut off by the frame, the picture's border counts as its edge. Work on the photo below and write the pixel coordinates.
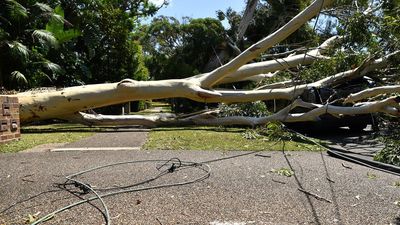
(177, 50)
(63, 43)
(106, 50)
(25, 43)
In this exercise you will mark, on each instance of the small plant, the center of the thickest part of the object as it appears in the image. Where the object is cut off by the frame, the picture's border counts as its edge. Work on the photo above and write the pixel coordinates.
(283, 172)
(275, 131)
(371, 176)
(391, 152)
(251, 109)
(31, 218)
(251, 134)
(396, 184)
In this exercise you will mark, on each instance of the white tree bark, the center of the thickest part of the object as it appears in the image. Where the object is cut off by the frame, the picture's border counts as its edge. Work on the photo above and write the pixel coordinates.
(254, 71)
(371, 92)
(68, 102)
(255, 50)
(61, 103)
(390, 106)
(56, 104)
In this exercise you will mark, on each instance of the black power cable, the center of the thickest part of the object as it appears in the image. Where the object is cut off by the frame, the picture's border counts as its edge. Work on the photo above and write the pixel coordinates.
(171, 165)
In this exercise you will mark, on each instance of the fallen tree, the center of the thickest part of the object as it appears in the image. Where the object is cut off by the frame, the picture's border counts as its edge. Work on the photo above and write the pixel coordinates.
(68, 103)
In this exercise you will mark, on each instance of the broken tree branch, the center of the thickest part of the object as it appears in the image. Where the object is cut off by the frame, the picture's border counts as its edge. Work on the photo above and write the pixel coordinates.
(255, 50)
(371, 92)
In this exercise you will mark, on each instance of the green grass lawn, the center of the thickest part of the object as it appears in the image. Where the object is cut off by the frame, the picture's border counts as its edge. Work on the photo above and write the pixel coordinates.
(45, 134)
(222, 139)
(175, 138)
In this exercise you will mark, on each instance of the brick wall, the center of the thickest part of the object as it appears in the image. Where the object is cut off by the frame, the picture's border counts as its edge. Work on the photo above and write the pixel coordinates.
(9, 119)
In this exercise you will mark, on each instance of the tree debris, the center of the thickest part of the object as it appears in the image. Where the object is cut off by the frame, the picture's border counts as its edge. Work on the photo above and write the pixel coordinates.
(314, 195)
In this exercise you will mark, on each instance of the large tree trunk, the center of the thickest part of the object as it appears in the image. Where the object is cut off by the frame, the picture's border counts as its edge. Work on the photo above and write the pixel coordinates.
(68, 103)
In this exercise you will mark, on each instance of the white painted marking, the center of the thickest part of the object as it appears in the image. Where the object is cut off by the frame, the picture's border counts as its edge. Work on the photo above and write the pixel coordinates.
(95, 149)
(227, 223)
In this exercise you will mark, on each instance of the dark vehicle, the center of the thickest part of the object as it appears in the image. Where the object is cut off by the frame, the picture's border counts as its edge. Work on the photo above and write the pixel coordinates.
(328, 122)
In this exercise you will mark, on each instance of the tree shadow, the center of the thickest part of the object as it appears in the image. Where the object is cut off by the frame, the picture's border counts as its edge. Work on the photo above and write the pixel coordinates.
(300, 185)
(82, 130)
(396, 221)
(309, 202)
(194, 128)
(332, 190)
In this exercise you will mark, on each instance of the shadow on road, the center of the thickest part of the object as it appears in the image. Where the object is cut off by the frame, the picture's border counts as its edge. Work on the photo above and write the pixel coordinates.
(309, 202)
(82, 130)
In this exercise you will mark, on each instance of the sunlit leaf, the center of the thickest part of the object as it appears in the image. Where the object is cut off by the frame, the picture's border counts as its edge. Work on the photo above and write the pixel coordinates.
(43, 7)
(56, 27)
(52, 66)
(17, 11)
(19, 77)
(283, 172)
(58, 18)
(18, 49)
(45, 36)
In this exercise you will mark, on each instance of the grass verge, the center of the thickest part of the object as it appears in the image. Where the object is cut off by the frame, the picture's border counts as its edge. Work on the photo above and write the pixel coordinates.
(45, 134)
(220, 139)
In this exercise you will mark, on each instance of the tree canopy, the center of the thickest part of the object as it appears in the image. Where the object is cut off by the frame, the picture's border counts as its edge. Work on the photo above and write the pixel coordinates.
(64, 43)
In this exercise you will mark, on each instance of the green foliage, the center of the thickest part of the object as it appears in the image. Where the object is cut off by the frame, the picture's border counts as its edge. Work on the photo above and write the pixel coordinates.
(371, 176)
(45, 134)
(250, 109)
(339, 62)
(213, 139)
(179, 50)
(391, 152)
(271, 15)
(56, 27)
(102, 46)
(275, 131)
(70, 42)
(24, 44)
(376, 31)
(283, 172)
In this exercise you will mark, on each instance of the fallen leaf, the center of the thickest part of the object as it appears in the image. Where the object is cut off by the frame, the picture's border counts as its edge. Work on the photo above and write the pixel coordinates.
(30, 219)
(283, 172)
(371, 176)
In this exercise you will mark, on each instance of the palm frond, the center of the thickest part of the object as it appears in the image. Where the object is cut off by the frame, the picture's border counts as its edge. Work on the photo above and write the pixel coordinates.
(19, 77)
(18, 49)
(44, 36)
(4, 20)
(55, 68)
(17, 11)
(58, 18)
(44, 7)
(3, 36)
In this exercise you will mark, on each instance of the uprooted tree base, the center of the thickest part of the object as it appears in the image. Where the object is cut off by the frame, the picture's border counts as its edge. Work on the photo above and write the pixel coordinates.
(68, 103)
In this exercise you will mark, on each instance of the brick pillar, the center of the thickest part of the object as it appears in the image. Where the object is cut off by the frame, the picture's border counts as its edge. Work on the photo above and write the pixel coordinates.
(9, 119)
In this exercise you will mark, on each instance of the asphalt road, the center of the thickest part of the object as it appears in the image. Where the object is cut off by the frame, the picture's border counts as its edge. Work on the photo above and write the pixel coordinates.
(240, 190)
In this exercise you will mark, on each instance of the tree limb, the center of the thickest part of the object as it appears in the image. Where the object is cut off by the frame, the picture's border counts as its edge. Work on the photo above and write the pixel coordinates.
(247, 72)
(371, 92)
(255, 50)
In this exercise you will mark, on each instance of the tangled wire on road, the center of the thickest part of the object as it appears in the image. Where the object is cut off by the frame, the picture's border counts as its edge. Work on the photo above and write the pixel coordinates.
(165, 167)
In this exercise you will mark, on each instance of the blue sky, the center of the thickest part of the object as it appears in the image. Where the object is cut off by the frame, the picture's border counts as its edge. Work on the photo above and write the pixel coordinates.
(198, 8)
